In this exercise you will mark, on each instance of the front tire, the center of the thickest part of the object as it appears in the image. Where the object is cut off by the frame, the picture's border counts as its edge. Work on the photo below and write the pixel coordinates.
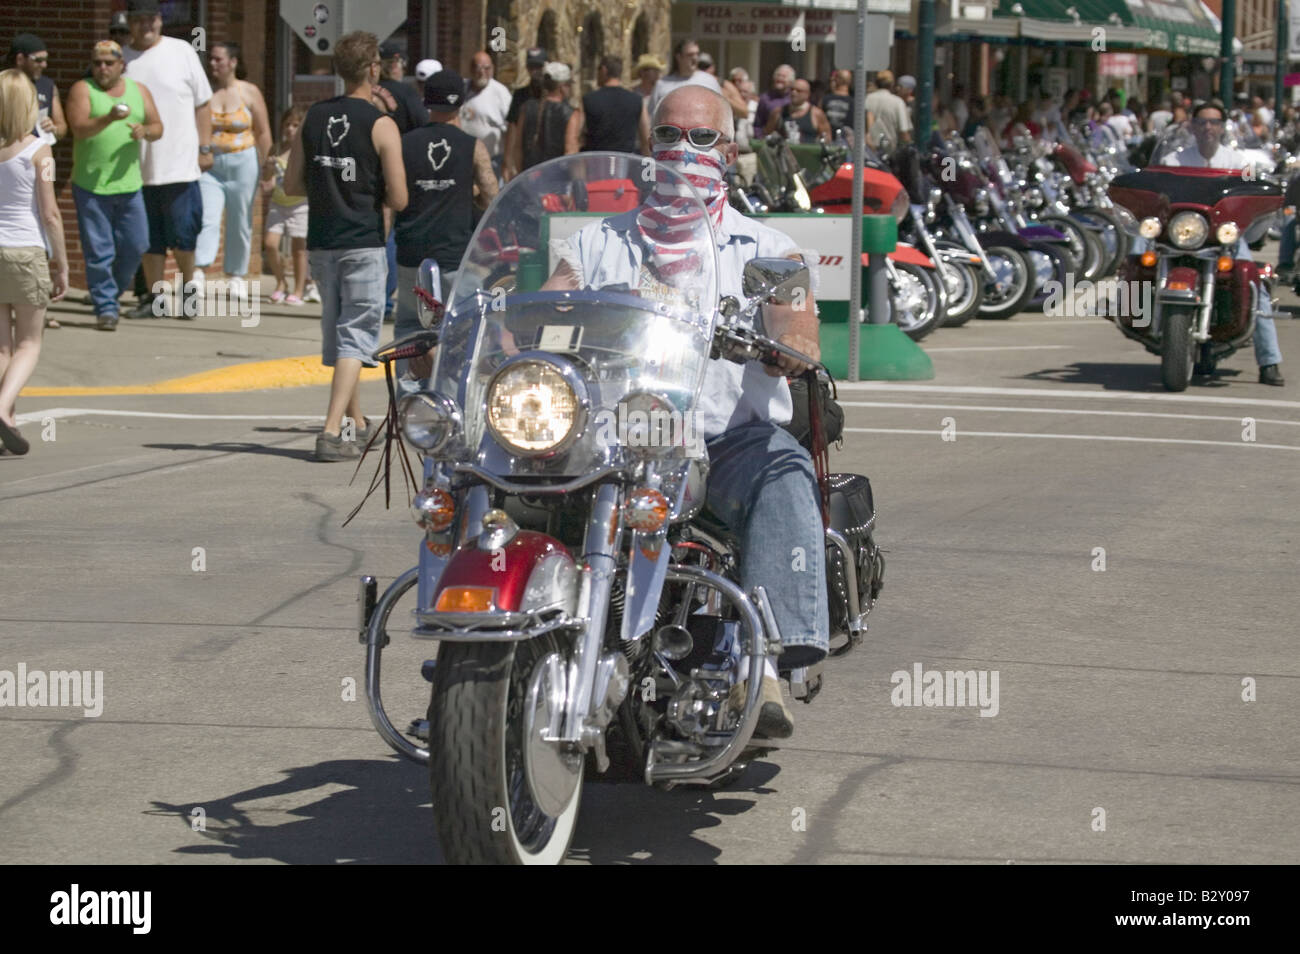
(1015, 274)
(964, 292)
(1177, 348)
(484, 809)
(915, 304)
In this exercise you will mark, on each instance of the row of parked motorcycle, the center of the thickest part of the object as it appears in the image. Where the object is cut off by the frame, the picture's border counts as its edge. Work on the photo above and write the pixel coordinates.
(982, 232)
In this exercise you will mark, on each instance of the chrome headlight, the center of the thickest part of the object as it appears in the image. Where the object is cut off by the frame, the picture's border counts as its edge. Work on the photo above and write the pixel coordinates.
(1150, 228)
(429, 421)
(1188, 229)
(533, 409)
(1228, 233)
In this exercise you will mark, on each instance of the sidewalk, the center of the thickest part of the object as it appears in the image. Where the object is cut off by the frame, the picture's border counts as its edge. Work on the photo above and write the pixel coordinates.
(280, 347)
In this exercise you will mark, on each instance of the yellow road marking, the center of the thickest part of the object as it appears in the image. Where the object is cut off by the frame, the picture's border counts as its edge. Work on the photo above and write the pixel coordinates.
(252, 376)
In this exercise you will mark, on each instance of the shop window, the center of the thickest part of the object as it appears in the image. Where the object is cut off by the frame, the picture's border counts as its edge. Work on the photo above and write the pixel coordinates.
(640, 38)
(593, 48)
(546, 34)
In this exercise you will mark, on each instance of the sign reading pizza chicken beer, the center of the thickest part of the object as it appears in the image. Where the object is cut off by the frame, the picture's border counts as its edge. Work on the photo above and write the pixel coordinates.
(761, 21)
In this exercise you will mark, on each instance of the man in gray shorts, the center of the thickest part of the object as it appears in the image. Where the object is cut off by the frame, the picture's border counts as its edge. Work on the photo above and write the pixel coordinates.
(348, 162)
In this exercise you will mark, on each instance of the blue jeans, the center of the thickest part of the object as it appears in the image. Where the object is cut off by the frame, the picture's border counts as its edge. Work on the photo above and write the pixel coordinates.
(351, 284)
(229, 188)
(392, 272)
(762, 485)
(114, 235)
(1286, 251)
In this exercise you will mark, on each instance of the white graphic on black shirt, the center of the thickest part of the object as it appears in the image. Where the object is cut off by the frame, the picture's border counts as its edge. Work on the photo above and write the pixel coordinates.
(341, 122)
(442, 150)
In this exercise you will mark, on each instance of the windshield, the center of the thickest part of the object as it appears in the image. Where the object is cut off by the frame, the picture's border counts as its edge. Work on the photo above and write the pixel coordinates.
(1206, 142)
(606, 261)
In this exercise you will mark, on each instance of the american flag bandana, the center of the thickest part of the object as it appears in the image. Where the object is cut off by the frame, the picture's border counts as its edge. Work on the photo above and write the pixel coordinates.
(670, 220)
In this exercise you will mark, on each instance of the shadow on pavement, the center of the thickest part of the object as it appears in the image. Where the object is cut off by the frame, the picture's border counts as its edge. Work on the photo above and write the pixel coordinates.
(384, 817)
(1124, 377)
(241, 447)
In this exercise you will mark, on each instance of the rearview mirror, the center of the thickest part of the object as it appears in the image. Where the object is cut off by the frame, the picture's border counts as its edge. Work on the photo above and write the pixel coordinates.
(777, 279)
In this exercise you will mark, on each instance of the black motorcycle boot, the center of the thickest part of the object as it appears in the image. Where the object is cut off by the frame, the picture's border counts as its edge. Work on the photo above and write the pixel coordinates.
(1271, 374)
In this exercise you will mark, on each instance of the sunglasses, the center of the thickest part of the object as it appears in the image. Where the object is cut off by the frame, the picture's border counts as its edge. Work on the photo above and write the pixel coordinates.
(1207, 122)
(39, 59)
(103, 62)
(701, 137)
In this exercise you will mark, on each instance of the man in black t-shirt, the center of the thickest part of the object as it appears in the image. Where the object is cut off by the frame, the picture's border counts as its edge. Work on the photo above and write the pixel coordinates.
(442, 163)
(614, 118)
(348, 162)
(838, 103)
(404, 105)
(548, 127)
(29, 55)
(536, 62)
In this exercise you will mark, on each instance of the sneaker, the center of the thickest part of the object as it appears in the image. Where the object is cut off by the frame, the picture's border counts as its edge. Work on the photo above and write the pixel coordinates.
(364, 433)
(293, 300)
(775, 721)
(1271, 374)
(312, 294)
(277, 296)
(332, 447)
(13, 442)
(143, 309)
(106, 322)
(52, 323)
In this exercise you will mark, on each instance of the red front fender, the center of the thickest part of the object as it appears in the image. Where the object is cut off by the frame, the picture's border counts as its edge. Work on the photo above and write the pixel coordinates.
(907, 254)
(506, 570)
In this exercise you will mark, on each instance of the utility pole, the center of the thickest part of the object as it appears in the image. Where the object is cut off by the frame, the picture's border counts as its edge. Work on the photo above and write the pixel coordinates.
(1228, 30)
(925, 65)
(1279, 68)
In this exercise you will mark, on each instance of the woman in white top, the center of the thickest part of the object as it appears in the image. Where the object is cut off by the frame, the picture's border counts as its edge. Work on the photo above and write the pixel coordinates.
(26, 202)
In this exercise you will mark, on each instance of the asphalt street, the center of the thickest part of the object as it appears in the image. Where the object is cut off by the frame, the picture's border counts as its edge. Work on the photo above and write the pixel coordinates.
(185, 545)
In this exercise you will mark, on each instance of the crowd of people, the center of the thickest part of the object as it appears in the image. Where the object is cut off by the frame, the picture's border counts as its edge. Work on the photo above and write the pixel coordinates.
(166, 151)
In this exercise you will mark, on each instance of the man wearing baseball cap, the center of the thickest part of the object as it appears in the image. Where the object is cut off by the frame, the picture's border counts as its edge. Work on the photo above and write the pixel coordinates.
(534, 61)
(426, 68)
(548, 127)
(29, 55)
(441, 161)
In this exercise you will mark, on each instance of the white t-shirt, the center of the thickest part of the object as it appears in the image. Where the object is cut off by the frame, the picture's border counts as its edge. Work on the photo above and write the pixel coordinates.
(172, 72)
(1190, 158)
(483, 115)
(1122, 125)
(670, 82)
(609, 252)
(889, 118)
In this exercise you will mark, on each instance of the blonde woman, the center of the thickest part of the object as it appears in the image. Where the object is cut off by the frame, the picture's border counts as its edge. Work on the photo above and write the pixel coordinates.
(26, 203)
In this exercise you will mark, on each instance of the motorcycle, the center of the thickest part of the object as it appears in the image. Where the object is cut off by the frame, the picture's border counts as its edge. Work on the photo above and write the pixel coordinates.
(585, 603)
(1190, 298)
(918, 293)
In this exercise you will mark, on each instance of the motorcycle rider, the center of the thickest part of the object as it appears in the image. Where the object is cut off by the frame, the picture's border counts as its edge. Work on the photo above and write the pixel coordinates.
(1211, 152)
(761, 481)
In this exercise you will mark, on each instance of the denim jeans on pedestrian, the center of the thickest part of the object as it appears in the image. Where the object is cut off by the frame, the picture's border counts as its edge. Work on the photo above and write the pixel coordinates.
(229, 189)
(1286, 251)
(762, 485)
(1267, 350)
(407, 321)
(392, 273)
(114, 236)
(351, 284)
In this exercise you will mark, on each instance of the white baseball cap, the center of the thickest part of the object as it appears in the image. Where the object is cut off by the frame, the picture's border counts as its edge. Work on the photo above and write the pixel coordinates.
(426, 68)
(558, 72)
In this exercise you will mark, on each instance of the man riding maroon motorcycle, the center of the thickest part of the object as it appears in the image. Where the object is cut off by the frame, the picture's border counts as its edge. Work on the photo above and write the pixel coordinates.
(1185, 218)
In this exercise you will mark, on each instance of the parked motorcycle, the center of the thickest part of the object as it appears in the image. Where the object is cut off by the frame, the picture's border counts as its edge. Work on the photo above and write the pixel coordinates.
(1190, 298)
(918, 293)
(585, 603)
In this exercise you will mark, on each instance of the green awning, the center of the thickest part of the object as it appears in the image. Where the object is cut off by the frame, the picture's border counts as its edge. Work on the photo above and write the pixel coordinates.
(1177, 26)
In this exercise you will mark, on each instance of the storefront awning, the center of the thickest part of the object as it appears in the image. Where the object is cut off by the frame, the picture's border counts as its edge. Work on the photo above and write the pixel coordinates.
(1070, 21)
(1178, 26)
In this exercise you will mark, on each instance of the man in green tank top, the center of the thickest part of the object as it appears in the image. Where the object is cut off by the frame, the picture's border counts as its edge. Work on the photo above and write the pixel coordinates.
(109, 114)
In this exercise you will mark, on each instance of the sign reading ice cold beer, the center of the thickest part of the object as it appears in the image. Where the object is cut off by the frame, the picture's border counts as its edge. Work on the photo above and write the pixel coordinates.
(741, 21)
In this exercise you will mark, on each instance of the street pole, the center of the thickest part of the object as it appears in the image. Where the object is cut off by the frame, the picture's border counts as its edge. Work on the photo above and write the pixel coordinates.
(1279, 71)
(1227, 30)
(855, 210)
(925, 64)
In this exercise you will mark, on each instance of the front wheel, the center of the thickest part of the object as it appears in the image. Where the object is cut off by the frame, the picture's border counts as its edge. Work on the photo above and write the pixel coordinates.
(1177, 348)
(964, 292)
(915, 300)
(500, 794)
(1012, 285)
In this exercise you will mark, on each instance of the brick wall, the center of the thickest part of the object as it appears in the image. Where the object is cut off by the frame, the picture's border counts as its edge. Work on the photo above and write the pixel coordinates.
(71, 27)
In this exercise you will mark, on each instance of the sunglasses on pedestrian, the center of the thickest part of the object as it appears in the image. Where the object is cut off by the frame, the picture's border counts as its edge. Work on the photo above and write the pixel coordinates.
(701, 137)
(1204, 123)
(103, 62)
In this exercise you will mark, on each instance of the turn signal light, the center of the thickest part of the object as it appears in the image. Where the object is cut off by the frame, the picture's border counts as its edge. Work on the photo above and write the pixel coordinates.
(465, 599)
(1225, 263)
(434, 509)
(646, 510)
(1148, 259)
(1178, 286)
